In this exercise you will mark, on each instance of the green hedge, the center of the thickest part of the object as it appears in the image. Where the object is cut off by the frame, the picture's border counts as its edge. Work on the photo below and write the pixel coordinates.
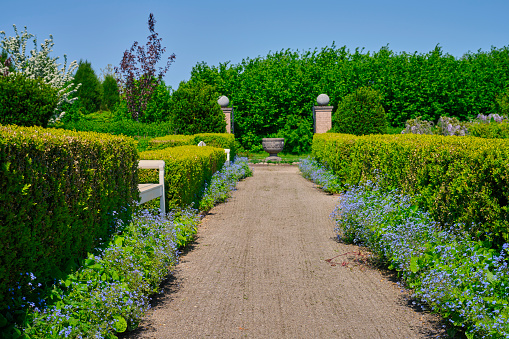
(491, 130)
(123, 127)
(58, 193)
(456, 179)
(187, 169)
(220, 140)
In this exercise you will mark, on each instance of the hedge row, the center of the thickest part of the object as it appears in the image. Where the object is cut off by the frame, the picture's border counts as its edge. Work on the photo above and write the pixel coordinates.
(220, 140)
(123, 127)
(491, 130)
(187, 169)
(58, 193)
(456, 179)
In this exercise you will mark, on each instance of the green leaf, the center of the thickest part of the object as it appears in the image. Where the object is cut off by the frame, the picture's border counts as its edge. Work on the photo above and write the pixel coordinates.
(414, 266)
(119, 241)
(120, 324)
(3, 321)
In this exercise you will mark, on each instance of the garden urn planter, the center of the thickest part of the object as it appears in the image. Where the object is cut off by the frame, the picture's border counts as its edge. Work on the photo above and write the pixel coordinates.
(273, 146)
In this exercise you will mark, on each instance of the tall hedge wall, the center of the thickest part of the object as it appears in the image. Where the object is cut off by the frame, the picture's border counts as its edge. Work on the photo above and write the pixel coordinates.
(58, 192)
(273, 95)
(187, 169)
(457, 179)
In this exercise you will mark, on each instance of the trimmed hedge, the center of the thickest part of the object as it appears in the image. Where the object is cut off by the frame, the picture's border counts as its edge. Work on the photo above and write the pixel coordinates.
(490, 130)
(220, 140)
(58, 193)
(187, 169)
(456, 179)
(122, 127)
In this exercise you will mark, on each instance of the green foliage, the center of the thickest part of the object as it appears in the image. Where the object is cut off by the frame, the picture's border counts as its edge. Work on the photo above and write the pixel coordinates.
(502, 103)
(5, 61)
(158, 108)
(90, 91)
(457, 179)
(194, 109)
(491, 130)
(360, 113)
(26, 102)
(187, 169)
(121, 127)
(59, 190)
(266, 91)
(110, 92)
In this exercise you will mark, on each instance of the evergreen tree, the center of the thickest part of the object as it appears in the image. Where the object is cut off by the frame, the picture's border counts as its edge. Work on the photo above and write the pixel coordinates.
(110, 92)
(90, 91)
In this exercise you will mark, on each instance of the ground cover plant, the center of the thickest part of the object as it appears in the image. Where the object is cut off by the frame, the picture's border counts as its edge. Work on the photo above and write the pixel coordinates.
(111, 291)
(465, 280)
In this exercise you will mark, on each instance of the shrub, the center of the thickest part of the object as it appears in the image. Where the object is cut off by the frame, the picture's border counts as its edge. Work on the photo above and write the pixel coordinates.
(26, 102)
(187, 169)
(58, 192)
(456, 179)
(90, 90)
(40, 65)
(360, 113)
(194, 109)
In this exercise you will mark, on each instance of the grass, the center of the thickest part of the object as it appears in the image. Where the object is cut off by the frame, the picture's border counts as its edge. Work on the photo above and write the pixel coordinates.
(255, 158)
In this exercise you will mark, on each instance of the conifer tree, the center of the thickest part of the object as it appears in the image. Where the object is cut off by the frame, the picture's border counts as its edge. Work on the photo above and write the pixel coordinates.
(90, 91)
(110, 92)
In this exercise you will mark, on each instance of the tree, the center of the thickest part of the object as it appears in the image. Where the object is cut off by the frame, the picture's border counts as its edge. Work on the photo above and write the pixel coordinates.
(90, 90)
(137, 75)
(5, 64)
(110, 92)
(38, 64)
(194, 109)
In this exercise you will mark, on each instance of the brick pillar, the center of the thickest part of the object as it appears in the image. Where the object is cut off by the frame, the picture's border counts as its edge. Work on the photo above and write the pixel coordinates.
(323, 118)
(228, 118)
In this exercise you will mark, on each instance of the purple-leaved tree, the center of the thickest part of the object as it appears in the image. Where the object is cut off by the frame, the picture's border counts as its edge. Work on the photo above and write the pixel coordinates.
(137, 76)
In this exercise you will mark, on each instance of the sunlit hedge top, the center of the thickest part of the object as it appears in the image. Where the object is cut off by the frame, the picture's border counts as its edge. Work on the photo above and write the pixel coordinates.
(457, 179)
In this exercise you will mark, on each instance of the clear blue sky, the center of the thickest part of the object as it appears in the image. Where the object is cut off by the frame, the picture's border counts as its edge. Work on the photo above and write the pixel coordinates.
(222, 30)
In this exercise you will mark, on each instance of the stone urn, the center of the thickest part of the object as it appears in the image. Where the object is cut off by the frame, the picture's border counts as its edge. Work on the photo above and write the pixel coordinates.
(273, 146)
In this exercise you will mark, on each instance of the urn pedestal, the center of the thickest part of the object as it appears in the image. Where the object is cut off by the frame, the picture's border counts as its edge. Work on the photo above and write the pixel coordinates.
(273, 146)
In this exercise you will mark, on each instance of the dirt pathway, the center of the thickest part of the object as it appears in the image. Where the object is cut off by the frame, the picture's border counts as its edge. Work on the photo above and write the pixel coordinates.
(258, 270)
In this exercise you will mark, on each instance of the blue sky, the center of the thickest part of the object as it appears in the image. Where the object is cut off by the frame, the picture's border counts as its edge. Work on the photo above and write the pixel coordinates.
(220, 31)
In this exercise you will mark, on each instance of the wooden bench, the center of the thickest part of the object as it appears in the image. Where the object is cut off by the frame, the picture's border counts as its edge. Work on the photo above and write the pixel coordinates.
(153, 191)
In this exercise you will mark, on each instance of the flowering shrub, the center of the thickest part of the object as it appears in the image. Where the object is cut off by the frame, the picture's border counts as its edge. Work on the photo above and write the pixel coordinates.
(40, 65)
(466, 281)
(224, 181)
(312, 170)
(110, 292)
(450, 125)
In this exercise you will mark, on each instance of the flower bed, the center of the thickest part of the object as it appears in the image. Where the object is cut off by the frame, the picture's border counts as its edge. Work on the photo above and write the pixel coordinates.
(464, 280)
(110, 292)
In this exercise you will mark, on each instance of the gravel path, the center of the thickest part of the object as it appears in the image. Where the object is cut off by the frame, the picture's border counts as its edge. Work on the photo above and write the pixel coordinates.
(258, 270)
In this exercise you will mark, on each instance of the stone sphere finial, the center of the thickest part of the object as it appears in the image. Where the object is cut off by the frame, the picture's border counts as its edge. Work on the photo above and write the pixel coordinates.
(223, 101)
(323, 99)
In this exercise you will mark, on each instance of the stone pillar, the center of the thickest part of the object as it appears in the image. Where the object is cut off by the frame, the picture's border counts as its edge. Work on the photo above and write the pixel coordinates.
(322, 114)
(228, 118)
(223, 101)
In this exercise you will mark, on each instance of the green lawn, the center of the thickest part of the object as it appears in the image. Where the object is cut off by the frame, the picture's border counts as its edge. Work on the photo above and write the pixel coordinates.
(260, 157)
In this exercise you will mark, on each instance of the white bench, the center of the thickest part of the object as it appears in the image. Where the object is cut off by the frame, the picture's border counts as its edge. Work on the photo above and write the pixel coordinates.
(227, 151)
(153, 191)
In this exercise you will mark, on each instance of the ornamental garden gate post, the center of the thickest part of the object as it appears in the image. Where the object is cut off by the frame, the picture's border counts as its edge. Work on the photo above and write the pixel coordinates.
(223, 101)
(322, 115)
